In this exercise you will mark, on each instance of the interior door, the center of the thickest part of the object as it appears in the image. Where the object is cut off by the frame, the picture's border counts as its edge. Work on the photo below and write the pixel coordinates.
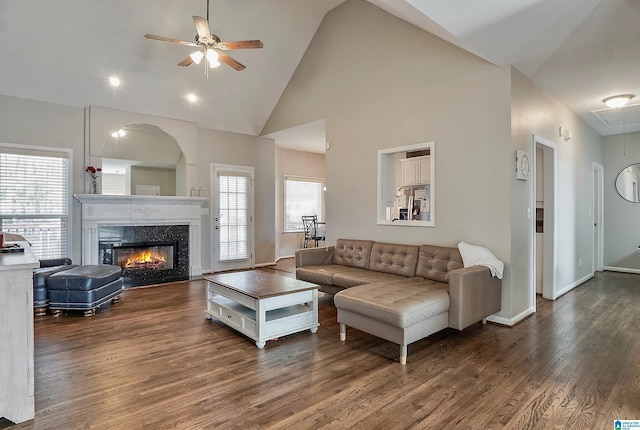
(231, 217)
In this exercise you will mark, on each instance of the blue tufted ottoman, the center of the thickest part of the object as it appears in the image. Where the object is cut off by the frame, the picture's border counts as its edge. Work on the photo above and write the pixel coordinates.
(84, 288)
(40, 276)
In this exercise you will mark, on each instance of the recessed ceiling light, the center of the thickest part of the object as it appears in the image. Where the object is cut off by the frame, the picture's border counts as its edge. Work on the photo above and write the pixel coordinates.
(192, 97)
(114, 81)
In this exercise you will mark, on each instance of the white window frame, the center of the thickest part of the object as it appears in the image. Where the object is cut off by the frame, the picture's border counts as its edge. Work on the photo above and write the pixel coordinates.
(322, 201)
(66, 153)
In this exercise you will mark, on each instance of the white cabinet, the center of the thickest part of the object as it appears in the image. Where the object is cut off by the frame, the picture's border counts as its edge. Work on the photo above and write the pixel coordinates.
(416, 171)
(17, 402)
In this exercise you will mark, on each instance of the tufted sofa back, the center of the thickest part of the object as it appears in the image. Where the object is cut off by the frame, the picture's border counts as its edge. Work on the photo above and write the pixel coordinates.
(435, 262)
(353, 253)
(394, 258)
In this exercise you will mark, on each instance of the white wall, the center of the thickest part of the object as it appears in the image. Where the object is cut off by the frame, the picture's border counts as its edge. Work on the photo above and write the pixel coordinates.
(621, 217)
(296, 163)
(29, 122)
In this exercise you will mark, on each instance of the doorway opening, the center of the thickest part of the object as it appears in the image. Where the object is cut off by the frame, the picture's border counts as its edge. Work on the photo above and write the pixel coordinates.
(544, 224)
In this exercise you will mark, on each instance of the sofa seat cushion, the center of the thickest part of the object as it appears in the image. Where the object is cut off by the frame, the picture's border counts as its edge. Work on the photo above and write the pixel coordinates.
(321, 274)
(84, 278)
(400, 303)
(355, 277)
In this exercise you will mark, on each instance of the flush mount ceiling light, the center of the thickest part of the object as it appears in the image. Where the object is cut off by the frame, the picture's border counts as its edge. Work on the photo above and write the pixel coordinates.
(617, 101)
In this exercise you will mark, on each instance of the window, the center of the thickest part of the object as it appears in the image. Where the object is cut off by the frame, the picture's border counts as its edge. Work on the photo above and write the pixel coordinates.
(406, 185)
(34, 198)
(233, 205)
(302, 196)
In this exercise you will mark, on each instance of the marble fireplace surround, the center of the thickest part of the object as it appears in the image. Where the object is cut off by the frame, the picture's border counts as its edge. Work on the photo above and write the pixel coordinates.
(102, 210)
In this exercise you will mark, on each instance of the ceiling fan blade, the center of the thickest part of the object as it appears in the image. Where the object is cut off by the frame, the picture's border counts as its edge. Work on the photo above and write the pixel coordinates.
(241, 44)
(230, 61)
(170, 40)
(202, 26)
(186, 62)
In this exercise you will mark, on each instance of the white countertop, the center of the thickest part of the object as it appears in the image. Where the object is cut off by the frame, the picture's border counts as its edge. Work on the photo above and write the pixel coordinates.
(19, 260)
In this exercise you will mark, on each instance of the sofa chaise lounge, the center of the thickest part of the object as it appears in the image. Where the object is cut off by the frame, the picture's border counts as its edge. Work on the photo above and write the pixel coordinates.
(401, 293)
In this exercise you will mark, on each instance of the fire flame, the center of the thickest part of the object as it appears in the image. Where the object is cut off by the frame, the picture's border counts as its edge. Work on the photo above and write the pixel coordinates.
(145, 257)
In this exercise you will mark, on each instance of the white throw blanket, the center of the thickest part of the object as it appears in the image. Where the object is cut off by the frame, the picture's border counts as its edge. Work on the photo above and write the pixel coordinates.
(474, 255)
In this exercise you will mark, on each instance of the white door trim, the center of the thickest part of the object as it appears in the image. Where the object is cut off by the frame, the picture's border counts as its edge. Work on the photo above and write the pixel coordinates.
(241, 264)
(598, 217)
(550, 205)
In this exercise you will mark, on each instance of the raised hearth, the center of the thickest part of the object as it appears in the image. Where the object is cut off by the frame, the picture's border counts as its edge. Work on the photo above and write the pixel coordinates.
(112, 220)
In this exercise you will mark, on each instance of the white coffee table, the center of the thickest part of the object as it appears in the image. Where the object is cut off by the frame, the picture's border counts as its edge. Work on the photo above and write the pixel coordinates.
(262, 305)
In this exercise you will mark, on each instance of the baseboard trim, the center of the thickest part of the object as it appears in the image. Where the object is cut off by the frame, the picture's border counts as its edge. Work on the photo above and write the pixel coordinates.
(265, 264)
(621, 269)
(510, 322)
(574, 285)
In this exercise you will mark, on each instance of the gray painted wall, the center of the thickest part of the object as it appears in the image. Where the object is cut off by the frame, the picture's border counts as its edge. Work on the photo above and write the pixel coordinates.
(27, 122)
(406, 86)
(222, 147)
(621, 218)
(296, 163)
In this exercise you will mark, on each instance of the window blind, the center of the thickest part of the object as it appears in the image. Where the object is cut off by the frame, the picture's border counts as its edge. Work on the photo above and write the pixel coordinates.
(302, 196)
(233, 198)
(34, 198)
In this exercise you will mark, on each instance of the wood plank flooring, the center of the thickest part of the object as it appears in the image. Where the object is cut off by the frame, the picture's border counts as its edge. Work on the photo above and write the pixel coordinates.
(153, 361)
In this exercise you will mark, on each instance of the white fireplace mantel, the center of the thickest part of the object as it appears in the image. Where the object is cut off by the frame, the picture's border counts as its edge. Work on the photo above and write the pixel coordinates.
(105, 210)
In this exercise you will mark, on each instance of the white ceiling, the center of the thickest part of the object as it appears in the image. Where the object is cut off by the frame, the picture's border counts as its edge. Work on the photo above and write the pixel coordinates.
(63, 52)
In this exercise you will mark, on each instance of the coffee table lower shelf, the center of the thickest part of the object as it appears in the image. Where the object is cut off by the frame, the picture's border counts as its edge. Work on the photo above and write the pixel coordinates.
(263, 319)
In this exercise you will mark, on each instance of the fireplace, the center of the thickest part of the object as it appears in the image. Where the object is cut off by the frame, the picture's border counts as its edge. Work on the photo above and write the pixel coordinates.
(147, 254)
(105, 217)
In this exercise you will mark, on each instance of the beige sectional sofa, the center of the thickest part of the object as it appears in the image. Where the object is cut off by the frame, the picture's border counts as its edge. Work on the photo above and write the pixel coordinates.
(401, 293)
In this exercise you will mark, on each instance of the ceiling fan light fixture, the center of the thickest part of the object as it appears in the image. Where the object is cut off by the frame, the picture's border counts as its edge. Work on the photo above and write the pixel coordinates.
(196, 56)
(212, 58)
(617, 101)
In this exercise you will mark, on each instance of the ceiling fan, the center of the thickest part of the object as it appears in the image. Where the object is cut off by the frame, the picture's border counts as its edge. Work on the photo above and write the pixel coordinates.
(209, 46)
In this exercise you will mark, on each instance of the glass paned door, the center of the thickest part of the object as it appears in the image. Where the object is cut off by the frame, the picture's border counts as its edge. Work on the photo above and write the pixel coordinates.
(232, 231)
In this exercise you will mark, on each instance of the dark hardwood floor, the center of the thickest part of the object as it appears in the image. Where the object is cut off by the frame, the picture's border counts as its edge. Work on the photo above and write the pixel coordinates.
(153, 361)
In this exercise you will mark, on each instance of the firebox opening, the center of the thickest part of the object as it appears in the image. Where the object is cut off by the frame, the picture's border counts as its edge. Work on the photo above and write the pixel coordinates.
(141, 256)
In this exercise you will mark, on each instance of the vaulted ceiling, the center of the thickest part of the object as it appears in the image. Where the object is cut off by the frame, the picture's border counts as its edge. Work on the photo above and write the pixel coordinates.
(63, 52)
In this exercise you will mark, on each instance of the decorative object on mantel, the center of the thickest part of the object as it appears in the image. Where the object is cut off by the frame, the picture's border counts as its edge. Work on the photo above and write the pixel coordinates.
(93, 172)
(198, 191)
